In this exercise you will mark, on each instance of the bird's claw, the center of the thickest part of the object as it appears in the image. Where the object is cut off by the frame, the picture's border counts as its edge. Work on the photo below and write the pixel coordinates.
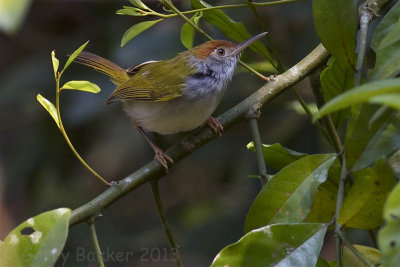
(215, 125)
(163, 158)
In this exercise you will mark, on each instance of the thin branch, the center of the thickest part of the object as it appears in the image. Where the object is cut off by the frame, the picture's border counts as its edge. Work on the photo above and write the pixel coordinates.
(64, 133)
(198, 138)
(262, 169)
(272, 3)
(174, 247)
(339, 202)
(368, 11)
(95, 241)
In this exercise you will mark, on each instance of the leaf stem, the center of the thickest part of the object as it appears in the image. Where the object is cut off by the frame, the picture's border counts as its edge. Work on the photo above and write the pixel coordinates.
(262, 169)
(354, 250)
(175, 248)
(96, 242)
(264, 4)
(339, 202)
(64, 133)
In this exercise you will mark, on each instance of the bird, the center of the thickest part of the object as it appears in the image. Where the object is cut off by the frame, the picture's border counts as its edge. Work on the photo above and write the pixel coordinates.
(173, 95)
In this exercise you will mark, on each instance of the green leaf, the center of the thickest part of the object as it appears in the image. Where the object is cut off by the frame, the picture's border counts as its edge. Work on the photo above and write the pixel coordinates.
(55, 63)
(279, 245)
(336, 23)
(324, 206)
(82, 86)
(130, 11)
(74, 55)
(139, 4)
(372, 254)
(51, 109)
(321, 263)
(12, 14)
(230, 28)
(137, 29)
(289, 195)
(336, 78)
(383, 144)
(390, 100)
(38, 241)
(188, 31)
(361, 131)
(359, 95)
(386, 44)
(362, 207)
(389, 235)
(276, 156)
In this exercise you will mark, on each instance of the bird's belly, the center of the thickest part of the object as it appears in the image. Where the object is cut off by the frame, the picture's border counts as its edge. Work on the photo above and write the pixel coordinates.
(177, 115)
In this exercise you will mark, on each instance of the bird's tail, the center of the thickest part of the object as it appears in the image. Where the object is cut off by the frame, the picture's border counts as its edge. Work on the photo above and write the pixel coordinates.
(117, 74)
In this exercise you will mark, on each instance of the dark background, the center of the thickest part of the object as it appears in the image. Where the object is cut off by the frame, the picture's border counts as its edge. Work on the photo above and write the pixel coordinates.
(206, 195)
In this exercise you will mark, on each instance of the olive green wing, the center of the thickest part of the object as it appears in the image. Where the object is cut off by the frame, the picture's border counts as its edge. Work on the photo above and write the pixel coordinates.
(154, 81)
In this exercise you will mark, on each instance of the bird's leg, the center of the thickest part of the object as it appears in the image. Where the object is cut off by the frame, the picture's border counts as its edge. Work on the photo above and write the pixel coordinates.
(161, 157)
(215, 125)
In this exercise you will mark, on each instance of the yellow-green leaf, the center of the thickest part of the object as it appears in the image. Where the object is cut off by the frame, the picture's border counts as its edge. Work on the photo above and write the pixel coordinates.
(363, 205)
(137, 29)
(188, 31)
(74, 55)
(51, 109)
(55, 62)
(81, 86)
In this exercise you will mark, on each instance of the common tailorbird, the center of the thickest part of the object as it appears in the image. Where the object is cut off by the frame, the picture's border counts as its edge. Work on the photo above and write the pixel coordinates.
(173, 95)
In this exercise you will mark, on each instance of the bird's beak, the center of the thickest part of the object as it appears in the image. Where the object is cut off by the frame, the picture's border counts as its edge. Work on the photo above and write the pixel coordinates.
(247, 43)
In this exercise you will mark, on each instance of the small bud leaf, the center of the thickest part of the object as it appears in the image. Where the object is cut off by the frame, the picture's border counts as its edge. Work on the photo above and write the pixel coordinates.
(55, 62)
(74, 55)
(137, 29)
(51, 109)
(140, 4)
(81, 86)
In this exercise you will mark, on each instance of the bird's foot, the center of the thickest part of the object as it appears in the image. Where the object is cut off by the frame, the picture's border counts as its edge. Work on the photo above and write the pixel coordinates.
(162, 158)
(215, 125)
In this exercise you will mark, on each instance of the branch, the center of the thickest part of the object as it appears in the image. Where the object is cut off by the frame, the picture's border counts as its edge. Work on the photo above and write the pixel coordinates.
(153, 170)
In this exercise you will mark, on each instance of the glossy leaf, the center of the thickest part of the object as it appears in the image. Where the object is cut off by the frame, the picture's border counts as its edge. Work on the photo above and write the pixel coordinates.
(336, 78)
(336, 23)
(386, 44)
(81, 86)
(74, 55)
(137, 29)
(383, 144)
(38, 241)
(55, 63)
(389, 235)
(230, 28)
(361, 132)
(12, 14)
(371, 254)
(289, 195)
(51, 109)
(279, 245)
(276, 156)
(363, 205)
(188, 32)
(359, 95)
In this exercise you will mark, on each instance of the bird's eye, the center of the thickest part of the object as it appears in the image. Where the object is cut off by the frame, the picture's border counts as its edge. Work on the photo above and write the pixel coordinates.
(221, 51)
